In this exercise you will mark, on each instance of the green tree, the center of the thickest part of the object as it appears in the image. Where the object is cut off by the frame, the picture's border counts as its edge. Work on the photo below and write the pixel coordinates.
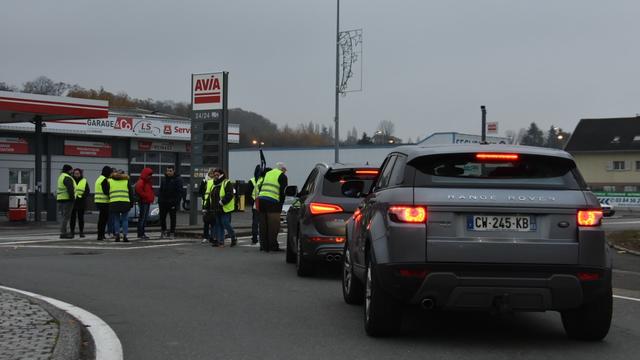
(365, 140)
(533, 136)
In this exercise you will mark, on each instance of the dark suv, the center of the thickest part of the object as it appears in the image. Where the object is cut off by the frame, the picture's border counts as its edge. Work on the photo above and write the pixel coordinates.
(316, 219)
(471, 227)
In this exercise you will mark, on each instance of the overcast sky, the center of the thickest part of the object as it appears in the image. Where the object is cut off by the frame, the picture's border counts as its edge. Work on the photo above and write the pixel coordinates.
(428, 65)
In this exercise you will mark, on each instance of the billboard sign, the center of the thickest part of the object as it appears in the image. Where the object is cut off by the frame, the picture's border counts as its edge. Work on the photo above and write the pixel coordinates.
(87, 148)
(207, 91)
(233, 134)
(13, 145)
(118, 126)
(492, 127)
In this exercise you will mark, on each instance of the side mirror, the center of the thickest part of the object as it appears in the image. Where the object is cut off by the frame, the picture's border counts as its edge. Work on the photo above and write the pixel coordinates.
(291, 191)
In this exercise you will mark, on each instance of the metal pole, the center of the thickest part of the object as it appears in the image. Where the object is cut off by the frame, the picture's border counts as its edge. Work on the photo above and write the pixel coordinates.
(337, 118)
(193, 194)
(484, 124)
(38, 181)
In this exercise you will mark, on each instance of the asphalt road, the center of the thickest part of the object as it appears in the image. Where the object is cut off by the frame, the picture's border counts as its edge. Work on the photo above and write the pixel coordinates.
(191, 301)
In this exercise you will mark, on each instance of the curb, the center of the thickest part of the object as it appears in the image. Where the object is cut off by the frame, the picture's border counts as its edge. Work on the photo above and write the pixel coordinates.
(74, 342)
(620, 248)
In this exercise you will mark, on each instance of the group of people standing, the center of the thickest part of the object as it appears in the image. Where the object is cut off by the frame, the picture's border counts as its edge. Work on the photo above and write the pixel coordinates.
(114, 197)
(265, 194)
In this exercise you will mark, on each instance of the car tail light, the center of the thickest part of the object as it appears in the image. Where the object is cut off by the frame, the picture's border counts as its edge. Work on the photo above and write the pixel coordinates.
(327, 239)
(497, 157)
(589, 217)
(357, 214)
(408, 214)
(413, 273)
(369, 172)
(586, 276)
(323, 209)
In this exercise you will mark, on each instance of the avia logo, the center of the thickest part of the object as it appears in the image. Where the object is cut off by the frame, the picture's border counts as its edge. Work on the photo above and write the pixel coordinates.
(123, 123)
(207, 91)
(167, 129)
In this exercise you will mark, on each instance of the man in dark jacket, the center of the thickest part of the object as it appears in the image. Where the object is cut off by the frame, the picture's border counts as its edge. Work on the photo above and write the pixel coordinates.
(171, 192)
(65, 196)
(79, 206)
(144, 191)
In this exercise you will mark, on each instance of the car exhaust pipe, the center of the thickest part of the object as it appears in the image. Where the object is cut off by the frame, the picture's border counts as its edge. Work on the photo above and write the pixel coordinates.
(329, 258)
(427, 304)
(337, 257)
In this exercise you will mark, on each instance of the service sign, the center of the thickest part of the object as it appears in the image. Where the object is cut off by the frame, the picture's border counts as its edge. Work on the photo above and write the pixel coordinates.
(87, 148)
(14, 145)
(207, 91)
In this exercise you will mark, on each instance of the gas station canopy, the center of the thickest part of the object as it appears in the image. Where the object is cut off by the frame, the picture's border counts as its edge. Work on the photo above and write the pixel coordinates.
(22, 107)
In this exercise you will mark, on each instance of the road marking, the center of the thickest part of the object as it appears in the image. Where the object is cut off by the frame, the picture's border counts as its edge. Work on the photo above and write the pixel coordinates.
(107, 344)
(626, 272)
(626, 298)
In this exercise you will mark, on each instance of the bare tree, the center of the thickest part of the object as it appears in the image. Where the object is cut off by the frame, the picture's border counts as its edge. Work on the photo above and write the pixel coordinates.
(45, 86)
(6, 87)
(387, 128)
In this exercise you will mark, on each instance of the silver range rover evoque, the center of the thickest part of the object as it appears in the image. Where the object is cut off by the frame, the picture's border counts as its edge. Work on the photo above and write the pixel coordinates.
(479, 227)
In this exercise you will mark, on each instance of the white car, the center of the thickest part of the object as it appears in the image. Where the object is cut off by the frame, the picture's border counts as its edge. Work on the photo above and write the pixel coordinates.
(607, 210)
(285, 207)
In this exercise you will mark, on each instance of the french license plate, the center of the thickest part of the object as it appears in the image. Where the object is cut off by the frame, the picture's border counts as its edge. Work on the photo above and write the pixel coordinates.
(501, 223)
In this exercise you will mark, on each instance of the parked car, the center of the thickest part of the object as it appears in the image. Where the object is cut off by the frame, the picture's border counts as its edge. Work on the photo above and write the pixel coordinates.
(479, 227)
(285, 208)
(607, 210)
(316, 219)
(154, 214)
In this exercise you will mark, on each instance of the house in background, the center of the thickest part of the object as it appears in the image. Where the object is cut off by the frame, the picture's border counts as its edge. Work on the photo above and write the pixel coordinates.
(607, 152)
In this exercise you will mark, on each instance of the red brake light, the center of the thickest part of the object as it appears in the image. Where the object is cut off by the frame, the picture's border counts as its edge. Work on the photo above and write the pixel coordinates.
(370, 172)
(497, 156)
(357, 214)
(323, 209)
(408, 214)
(589, 217)
(417, 273)
(586, 276)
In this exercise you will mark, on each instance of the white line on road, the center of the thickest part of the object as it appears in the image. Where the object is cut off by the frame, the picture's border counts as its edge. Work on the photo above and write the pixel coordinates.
(108, 346)
(626, 298)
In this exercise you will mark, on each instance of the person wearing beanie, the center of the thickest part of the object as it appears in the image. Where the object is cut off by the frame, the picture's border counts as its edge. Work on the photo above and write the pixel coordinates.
(65, 197)
(80, 204)
(101, 199)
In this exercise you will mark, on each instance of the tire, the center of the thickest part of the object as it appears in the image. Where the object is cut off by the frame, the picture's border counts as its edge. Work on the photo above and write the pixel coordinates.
(382, 314)
(591, 321)
(304, 267)
(291, 255)
(352, 288)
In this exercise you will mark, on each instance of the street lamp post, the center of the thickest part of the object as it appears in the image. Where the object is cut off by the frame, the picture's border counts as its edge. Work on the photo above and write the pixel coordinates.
(337, 115)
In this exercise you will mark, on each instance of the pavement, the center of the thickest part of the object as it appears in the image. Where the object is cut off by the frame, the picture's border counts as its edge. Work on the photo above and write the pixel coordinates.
(180, 299)
(32, 329)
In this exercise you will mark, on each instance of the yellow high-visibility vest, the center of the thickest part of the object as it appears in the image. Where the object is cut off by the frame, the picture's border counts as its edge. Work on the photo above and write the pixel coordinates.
(62, 193)
(270, 186)
(231, 205)
(80, 186)
(100, 197)
(256, 187)
(118, 191)
(207, 191)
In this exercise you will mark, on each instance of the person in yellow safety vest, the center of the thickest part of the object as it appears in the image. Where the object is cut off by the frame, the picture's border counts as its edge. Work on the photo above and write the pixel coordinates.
(65, 197)
(120, 202)
(101, 200)
(80, 204)
(270, 200)
(252, 195)
(206, 186)
(222, 198)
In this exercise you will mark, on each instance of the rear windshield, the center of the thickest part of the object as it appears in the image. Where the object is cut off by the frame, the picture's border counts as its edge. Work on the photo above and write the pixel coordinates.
(525, 172)
(334, 180)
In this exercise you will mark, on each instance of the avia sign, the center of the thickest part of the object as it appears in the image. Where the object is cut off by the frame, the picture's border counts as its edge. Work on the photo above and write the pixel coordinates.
(207, 91)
